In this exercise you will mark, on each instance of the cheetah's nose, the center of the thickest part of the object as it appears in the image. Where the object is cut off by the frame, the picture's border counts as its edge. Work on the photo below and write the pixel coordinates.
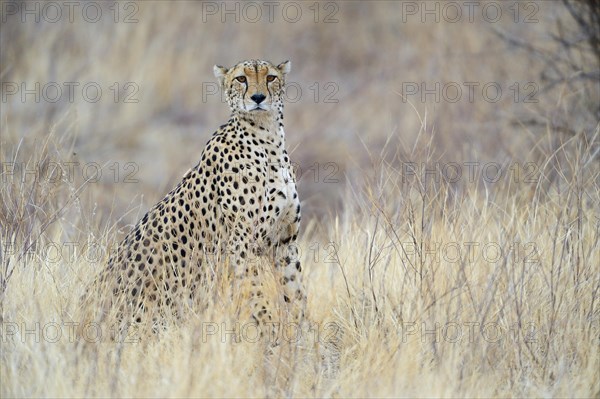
(258, 98)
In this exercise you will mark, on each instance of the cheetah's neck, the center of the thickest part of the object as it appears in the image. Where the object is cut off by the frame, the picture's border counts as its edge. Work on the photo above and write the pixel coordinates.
(265, 125)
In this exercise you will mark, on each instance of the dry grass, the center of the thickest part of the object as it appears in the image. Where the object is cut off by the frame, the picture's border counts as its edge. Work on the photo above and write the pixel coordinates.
(418, 285)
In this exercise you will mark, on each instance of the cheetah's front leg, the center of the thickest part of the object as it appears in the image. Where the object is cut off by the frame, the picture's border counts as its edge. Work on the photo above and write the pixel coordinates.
(288, 263)
(247, 273)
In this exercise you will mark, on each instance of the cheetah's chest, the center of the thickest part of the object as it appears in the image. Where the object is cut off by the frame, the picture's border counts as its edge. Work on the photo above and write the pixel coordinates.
(284, 184)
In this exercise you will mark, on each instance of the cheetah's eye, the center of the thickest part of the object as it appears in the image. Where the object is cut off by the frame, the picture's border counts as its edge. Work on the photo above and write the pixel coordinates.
(271, 78)
(241, 79)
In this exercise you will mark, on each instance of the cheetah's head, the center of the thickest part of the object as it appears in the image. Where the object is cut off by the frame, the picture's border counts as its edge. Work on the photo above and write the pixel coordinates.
(254, 86)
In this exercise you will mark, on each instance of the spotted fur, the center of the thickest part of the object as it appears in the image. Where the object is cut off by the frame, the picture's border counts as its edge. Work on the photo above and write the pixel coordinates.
(239, 202)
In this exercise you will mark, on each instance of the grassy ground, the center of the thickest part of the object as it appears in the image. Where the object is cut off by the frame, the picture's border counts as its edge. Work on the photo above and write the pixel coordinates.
(450, 248)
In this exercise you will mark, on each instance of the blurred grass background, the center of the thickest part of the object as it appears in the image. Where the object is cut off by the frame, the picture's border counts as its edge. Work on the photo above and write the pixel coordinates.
(350, 70)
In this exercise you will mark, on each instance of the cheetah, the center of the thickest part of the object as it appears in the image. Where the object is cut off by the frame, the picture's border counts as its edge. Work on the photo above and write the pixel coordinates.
(238, 203)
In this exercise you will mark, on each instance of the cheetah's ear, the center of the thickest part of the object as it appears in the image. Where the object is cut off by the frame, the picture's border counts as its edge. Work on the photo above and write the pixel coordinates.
(285, 67)
(220, 72)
